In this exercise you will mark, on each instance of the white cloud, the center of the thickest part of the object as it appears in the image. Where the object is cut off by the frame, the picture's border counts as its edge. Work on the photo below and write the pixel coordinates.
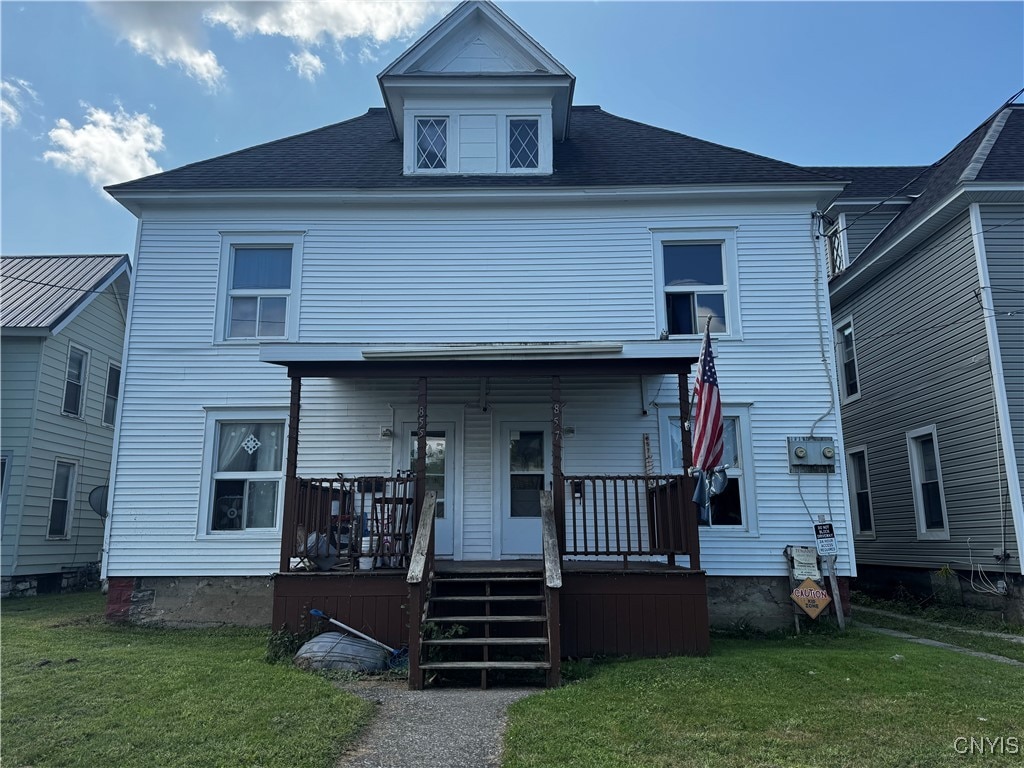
(173, 32)
(308, 65)
(108, 148)
(15, 95)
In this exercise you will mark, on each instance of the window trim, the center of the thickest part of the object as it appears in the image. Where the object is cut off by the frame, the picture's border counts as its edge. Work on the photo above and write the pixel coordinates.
(106, 395)
(72, 494)
(448, 120)
(215, 415)
(730, 273)
(923, 533)
(509, 117)
(84, 384)
(851, 484)
(7, 459)
(268, 239)
(669, 412)
(844, 396)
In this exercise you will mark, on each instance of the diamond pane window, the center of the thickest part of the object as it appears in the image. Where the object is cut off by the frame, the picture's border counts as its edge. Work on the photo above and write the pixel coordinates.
(523, 144)
(431, 143)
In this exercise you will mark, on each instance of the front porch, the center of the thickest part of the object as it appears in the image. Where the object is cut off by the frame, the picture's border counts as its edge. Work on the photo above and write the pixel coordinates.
(605, 564)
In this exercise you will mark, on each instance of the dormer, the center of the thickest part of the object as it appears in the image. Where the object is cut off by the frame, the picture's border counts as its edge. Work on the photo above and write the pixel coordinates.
(477, 95)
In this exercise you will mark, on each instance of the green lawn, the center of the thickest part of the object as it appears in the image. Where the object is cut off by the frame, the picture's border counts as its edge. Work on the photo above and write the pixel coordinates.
(79, 692)
(819, 700)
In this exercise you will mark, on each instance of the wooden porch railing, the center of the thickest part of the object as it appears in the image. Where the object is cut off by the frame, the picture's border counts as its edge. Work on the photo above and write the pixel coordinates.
(340, 521)
(631, 515)
(421, 569)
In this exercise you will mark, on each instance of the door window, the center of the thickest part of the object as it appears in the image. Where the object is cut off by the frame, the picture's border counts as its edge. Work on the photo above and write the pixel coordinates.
(526, 472)
(436, 466)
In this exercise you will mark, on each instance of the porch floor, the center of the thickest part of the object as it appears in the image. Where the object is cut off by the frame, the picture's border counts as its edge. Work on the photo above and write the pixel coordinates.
(568, 566)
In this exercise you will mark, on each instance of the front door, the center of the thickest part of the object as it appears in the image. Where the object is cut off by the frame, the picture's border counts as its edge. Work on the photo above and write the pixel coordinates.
(441, 470)
(525, 470)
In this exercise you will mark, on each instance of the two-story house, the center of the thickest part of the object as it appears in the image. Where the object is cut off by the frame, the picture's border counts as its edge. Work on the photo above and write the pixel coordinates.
(927, 292)
(62, 323)
(480, 304)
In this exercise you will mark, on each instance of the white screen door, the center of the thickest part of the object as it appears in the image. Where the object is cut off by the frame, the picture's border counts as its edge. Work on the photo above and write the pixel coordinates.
(525, 466)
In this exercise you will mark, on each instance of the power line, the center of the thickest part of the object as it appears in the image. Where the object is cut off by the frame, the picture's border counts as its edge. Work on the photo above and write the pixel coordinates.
(65, 287)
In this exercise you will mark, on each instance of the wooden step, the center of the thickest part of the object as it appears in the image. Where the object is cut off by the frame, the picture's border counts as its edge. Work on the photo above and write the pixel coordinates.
(485, 598)
(486, 665)
(453, 579)
(470, 641)
(466, 619)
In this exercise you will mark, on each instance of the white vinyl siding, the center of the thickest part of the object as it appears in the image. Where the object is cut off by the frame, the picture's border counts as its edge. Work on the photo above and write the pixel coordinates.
(381, 274)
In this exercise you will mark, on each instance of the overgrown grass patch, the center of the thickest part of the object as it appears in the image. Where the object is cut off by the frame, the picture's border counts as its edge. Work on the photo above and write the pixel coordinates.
(79, 692)
(819, 700)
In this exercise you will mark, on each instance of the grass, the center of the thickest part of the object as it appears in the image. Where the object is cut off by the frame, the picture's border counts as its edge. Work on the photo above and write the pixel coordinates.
(813, 700)
(964, 639)
(79, 692)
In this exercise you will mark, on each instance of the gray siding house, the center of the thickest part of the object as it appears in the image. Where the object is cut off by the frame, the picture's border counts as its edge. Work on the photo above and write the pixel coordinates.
(927, 294)
(63, 321)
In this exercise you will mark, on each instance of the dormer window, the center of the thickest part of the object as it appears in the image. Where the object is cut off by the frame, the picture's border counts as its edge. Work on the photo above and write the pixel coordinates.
(523, 143)
(431, 143)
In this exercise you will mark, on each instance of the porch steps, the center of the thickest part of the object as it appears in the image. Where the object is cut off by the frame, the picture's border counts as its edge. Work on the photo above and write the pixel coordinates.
(493, 623)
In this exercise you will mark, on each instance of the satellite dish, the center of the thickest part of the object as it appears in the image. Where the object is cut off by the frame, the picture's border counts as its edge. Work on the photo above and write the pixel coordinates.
(98, 500)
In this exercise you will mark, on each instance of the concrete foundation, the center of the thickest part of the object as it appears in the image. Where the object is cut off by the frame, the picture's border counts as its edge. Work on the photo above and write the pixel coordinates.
(82, 579)
(191, 601)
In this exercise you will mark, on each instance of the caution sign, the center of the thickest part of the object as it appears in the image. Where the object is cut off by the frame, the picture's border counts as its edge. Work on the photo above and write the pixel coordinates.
(811, 598)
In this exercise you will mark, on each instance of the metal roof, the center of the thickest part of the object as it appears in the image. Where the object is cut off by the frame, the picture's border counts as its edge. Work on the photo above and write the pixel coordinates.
(41, 291)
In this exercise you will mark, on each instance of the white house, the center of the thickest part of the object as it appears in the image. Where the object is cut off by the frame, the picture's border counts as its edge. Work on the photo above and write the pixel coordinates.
(511, 287)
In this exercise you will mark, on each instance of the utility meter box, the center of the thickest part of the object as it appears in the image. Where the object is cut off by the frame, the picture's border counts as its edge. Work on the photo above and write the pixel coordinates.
(812, 454)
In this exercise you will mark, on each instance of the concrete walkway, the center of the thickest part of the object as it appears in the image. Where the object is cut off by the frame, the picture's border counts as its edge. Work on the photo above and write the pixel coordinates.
(860, 609)
(451, 728)
(937, 644)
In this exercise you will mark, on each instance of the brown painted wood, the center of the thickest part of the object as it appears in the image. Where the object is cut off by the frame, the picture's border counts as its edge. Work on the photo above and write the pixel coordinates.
(690, 519)
(291, 471)
(558, 492)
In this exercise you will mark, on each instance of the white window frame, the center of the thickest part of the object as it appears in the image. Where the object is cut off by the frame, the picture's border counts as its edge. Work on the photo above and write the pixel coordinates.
(446, 168)
(744, 475)
(6, 460)
(268, 239)
(844, 394)
(730, 273)
(852, 483)
(72, 494)
(916, 472)
(106, 395)
(508, 144)
(214, 417)
(84, 384)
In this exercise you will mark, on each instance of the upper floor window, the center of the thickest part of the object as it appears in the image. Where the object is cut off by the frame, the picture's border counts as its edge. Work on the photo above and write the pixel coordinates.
(849, 383)
(112, 394)
(259, 287)
(696, 272)
(523, 143)
(431, 143)
(926, 476)
(860, 492)
(74, 381)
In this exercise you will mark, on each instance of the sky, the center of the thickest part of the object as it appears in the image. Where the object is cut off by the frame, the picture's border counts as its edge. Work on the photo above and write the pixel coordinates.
(96, 93)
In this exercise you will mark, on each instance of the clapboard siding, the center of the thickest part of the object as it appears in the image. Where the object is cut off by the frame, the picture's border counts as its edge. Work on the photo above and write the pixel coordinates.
(477, 274)
(862, 228)
(1004, 250)
(98, 329)
(19, 365)
(923, 360)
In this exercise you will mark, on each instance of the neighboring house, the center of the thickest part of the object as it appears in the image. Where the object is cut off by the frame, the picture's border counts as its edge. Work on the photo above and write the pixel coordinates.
(63, 322)
(927, 297)
(499, 292)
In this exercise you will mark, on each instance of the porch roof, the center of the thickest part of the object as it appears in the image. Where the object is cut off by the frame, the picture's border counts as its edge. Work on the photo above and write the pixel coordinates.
(305, 360)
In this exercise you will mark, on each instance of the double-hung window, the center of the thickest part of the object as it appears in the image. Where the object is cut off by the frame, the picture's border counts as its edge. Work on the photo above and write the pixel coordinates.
(247, 477)
(926, 475)
(74, 382)
(849, 382)
(860, 492)
(259, 286)
(431, 143)
(61, 500)
(112, 394)
(697, 280)
(733, 508)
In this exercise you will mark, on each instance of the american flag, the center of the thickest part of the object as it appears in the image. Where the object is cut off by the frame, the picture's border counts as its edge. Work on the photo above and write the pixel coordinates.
(708, 431)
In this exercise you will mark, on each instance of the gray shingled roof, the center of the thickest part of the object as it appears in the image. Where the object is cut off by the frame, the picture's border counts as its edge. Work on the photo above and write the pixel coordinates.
(877, 182)
(603, 150)
(1001, 161)
(40, 291)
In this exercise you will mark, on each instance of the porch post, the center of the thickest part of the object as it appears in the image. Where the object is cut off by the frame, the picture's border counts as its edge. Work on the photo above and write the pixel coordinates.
(558, 492)
(421, 446)
(689, 520)
(292, 469)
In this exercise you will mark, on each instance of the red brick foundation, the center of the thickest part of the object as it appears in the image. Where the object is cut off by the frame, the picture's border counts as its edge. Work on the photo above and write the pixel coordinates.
(119, 598)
